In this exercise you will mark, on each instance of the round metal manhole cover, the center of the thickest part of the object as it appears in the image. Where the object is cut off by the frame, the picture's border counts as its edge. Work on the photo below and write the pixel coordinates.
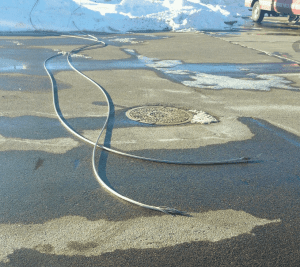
(159, 115)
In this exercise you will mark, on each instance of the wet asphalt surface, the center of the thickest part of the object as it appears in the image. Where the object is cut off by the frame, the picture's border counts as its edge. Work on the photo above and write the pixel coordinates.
(39, 186)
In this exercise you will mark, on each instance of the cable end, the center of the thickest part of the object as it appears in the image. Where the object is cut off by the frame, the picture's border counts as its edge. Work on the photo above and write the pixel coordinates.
(173, 211)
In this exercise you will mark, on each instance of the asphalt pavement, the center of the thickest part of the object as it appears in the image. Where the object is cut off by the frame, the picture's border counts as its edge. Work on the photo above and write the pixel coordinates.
(53, 212)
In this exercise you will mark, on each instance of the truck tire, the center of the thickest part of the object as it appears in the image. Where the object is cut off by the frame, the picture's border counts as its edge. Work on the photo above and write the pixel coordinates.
(257, 13)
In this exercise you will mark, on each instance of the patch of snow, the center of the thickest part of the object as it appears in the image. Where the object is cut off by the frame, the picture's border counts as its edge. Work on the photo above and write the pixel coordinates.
(121, 15)
(178, 72)
(126, 40)
(79, 55)
(202, 117)
(200, 79)
(130, 51)
(163, 63)
(259, 82)
(64, 53)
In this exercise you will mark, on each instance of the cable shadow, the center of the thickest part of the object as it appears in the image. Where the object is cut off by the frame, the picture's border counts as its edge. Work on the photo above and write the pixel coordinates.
(108, 134)
(102, 164)
(56, 100)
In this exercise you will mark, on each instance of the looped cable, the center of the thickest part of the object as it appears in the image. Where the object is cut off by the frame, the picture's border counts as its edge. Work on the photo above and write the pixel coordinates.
(164, 209)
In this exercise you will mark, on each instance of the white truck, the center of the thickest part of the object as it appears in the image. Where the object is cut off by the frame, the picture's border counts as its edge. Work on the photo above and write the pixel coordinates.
(274, 8)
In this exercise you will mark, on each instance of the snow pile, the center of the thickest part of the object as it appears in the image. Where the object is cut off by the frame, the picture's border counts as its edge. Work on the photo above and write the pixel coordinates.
(120, 16)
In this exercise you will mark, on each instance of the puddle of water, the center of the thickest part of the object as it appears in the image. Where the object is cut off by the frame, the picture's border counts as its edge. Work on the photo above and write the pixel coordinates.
(44, 41)
(219, 76)
(209, 76)
(24, 61)
(61, 64)
(178, 71)
(28, 83)
(120, 40)
(212, 76)
(10, 65)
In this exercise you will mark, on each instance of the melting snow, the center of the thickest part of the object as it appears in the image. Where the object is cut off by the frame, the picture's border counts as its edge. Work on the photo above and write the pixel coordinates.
(202, 117)
(120, 15)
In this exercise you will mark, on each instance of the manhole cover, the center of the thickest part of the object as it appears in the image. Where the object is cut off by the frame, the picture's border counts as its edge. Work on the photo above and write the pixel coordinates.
(159, 115)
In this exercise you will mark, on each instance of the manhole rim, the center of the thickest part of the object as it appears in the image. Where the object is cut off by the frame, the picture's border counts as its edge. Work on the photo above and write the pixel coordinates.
(188, 113)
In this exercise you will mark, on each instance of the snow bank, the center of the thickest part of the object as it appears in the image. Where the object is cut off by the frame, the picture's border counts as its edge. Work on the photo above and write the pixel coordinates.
(120, 16)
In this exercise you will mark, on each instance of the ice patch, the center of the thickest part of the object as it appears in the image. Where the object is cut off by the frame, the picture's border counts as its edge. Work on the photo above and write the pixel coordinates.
(191, 75)
(261, 83)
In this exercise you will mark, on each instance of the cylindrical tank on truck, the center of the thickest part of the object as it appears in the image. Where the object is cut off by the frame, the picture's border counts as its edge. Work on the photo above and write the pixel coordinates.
(260, 8)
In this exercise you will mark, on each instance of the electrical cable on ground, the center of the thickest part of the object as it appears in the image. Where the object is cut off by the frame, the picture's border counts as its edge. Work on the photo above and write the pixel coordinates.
(164, 209)
(230, 161)
(95, 144)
